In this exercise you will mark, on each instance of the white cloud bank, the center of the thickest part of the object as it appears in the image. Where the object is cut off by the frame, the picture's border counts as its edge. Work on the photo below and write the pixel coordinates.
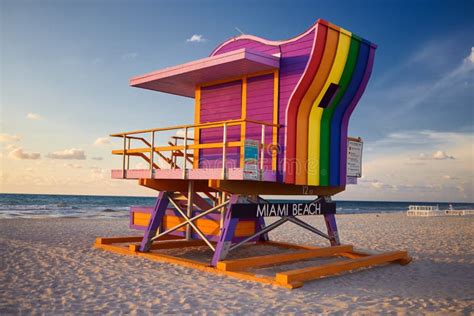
(181, 132)
(196, 38)
(34, 116)
(18, 153)
(72, 166)
(102, 141)
(437, 155)
(68, 154)
(394, 170)
(7, 138)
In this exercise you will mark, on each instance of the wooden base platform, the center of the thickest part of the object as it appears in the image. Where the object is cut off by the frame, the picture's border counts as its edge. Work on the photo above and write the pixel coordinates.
(241, 268)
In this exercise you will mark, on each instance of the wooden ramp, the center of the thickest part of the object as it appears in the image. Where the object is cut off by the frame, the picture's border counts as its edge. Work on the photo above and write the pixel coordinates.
(244, 268)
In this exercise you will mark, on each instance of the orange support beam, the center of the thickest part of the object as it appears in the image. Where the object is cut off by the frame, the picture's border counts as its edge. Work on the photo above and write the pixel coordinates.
(115, 240)
(268, 260)
(236, 268)
(312, 273)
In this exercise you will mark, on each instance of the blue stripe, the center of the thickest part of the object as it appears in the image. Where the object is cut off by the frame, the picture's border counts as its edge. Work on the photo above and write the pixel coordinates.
(334, 152)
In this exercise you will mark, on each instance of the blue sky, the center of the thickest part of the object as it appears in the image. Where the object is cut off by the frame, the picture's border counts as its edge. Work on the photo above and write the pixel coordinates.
(69, 62)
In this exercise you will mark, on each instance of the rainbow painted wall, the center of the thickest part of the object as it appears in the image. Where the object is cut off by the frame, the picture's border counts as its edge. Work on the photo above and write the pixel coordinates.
(322, 76)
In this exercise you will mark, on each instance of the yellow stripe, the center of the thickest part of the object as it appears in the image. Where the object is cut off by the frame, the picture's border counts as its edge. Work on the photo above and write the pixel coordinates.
(243, 126)
(314, 130)
(197, 120)
(276, 79)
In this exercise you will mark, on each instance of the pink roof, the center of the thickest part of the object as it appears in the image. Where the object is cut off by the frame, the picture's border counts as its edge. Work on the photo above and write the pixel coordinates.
(182, 79)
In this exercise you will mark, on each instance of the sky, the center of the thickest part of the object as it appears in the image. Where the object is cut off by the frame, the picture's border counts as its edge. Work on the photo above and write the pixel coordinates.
(65, 67)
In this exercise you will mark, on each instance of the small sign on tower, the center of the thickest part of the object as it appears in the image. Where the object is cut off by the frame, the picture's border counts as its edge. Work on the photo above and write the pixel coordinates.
(354, 159)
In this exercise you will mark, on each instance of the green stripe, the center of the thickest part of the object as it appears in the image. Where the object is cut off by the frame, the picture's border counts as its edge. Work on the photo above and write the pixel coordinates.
(328, 112)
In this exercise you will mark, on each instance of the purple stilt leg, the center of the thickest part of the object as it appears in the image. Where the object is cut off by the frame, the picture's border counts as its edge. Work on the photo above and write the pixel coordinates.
(331, 226)
(227, 233)
(260, 224)
(155, 222)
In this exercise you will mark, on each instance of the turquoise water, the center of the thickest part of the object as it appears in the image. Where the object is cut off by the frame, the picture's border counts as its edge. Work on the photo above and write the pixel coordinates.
(88, 206)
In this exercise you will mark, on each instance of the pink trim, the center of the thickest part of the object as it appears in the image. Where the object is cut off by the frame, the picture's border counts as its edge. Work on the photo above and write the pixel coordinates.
(182, 79)
(270, 42)
(193, 174)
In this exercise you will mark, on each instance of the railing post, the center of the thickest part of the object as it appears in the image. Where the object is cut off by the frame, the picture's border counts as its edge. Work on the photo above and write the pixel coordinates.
(175, 161)
(224, 151)
(189, 210)
(128, 156)
(262, 152)
(185, 154)
(152, 153)
(123, 155)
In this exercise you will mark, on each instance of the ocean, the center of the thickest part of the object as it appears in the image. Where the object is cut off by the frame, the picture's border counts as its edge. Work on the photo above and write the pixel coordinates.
(89, 206)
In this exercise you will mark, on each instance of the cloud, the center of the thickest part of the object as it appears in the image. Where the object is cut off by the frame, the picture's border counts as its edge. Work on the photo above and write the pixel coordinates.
(425, 138)
(18, 153)
(7, 138)
(196, 38)
(441, 155)
(68, 154)
(34, 116)
(130, 56)
(98, 173)
(102, 141)
(72, 166)
(448, 177)
(470, 58)
(411, 95)
(437, 155)
(394, 169)
(97, 158)
(181, 132)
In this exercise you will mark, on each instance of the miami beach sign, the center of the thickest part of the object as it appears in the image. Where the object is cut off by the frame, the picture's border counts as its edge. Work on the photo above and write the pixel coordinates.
(316, 207)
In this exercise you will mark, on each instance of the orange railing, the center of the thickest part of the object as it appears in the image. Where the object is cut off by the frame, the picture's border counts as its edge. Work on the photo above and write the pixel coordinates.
(178, 150)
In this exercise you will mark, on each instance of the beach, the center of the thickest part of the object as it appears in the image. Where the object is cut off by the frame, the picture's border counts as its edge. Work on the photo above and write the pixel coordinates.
(49, 266)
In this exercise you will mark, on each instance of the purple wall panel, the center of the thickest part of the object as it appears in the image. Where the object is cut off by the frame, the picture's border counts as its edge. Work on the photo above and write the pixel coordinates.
(260, 108)
(219, 103)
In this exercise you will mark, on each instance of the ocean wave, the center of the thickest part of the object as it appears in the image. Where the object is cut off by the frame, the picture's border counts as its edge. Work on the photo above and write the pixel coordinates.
(110, 210)
(43, 206)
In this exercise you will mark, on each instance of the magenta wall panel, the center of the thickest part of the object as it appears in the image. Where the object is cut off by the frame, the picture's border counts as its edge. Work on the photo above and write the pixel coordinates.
(260, 108)
(292, 65)
(293, 60)
(219, 103)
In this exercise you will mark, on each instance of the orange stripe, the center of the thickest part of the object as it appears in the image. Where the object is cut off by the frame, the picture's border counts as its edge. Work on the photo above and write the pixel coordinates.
(210, 227)
(207, 226)
(141, 219)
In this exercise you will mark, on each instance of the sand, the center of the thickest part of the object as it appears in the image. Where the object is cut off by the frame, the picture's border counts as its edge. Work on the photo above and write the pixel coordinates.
(48, 266)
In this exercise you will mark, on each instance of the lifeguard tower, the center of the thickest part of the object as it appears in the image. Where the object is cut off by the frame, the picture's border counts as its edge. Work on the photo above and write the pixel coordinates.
(271, 118)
